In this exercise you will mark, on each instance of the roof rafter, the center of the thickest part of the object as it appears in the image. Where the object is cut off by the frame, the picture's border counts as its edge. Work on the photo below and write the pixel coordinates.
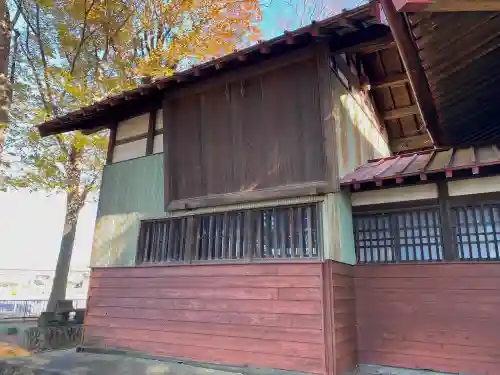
(395, 80)
(411, 61)
(396, 113)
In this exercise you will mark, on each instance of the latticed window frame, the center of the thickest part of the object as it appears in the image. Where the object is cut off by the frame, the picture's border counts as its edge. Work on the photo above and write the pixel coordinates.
(478, 241)
(224, 236)
(393, 243)
(467, 240)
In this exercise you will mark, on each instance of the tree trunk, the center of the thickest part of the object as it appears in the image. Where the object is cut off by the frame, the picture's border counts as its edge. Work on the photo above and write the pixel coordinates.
(60, 283)
(5, 36)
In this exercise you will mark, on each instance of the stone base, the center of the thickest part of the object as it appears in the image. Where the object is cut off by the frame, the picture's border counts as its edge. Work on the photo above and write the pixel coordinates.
(39, 339)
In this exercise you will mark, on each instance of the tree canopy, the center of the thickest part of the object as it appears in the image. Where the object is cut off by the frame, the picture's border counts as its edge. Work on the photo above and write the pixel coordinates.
(67, 54)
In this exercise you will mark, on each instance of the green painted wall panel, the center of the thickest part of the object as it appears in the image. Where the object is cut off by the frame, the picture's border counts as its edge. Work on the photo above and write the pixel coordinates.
(358, 139)
(130, 191)
(337, 228)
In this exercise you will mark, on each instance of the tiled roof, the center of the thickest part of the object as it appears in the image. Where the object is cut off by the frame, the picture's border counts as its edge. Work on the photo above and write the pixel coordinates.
(423, 164)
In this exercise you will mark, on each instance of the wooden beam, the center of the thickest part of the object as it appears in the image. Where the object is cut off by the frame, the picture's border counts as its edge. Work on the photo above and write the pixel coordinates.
(447, 5)
(326, 113)
(169, 188)
(390, 81)
(411, 61)
(375, 36)
(111, 143)
(411, 143)
(394, 114)
(446, 220)
(366, 48)
(280, 192)
(151, 132)
(344, 68)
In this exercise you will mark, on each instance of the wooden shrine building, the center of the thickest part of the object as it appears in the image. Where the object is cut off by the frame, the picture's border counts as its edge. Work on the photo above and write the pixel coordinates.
(320, 202)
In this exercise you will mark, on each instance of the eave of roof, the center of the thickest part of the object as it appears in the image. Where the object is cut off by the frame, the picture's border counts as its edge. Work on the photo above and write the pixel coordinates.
(423, 165)
(460, 55)
(99, 113)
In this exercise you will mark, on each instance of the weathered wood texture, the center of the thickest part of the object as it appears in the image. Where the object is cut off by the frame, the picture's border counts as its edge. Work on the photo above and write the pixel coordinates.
(253, 133)
(263, 315)
(339, 308)
(442, 317)
(359, 136)
(344, 318)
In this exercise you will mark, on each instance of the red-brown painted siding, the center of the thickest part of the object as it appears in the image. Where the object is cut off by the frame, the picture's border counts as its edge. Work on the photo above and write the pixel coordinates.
(339, 304)
(263, 315)
(443, 317)
(344, 317)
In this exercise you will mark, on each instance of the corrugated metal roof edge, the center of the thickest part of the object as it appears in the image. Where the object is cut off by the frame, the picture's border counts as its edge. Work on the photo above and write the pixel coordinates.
(349, 179)
(57, 125)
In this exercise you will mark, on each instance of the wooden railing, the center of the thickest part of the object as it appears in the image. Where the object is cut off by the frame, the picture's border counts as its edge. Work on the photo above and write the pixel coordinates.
(256, 234)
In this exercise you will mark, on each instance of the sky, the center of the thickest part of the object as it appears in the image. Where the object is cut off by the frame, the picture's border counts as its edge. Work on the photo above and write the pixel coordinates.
(31, 224)
(281, 15)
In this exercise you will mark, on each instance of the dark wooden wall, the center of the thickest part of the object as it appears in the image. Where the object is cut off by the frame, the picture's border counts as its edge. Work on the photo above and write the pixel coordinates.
(264, 315)
(443, 317)
(247, 132)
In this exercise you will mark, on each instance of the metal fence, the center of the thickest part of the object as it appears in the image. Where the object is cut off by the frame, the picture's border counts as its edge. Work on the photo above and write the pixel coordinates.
(29, 308)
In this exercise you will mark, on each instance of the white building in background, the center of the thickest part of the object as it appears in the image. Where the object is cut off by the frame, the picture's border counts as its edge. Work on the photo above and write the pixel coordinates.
(36, 284)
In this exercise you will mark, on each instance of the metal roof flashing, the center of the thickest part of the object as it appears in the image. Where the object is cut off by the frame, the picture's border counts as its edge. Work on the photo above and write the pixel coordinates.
(419, 167)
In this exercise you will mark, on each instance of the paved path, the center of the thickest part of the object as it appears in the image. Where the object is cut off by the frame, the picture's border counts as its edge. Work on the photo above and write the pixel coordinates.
(69, 362)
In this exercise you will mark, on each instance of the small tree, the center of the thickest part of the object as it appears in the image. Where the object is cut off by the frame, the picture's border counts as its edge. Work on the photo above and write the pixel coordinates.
(74, 52)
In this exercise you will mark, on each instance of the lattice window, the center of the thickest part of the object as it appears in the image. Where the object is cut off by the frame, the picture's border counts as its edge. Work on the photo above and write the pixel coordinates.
(476, 231)
(286, 232)
(163, 240)
(374, 240)
(402, 236)
(221, 236)
(271, 233)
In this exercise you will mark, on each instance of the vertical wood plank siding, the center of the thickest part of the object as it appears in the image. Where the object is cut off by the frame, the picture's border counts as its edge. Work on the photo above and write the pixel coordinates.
(344, 316)
(443, 317)
(262, 315)
(254, 133)
(339, 309)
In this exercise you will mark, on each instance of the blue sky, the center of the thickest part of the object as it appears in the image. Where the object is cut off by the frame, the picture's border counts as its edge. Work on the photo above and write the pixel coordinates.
(31, 223)
(281, 15)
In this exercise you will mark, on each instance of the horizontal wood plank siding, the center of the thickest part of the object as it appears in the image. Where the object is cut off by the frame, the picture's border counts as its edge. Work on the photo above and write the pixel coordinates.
(442, 317)
(261, 315)
(344, 315)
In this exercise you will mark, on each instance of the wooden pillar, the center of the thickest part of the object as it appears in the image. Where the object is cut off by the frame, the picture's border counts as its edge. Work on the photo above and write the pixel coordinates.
(446, 225)
(151, 132)
(111, 143)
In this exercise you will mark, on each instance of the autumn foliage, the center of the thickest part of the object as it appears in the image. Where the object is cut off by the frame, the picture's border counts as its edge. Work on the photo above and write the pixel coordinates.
(70, 53)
